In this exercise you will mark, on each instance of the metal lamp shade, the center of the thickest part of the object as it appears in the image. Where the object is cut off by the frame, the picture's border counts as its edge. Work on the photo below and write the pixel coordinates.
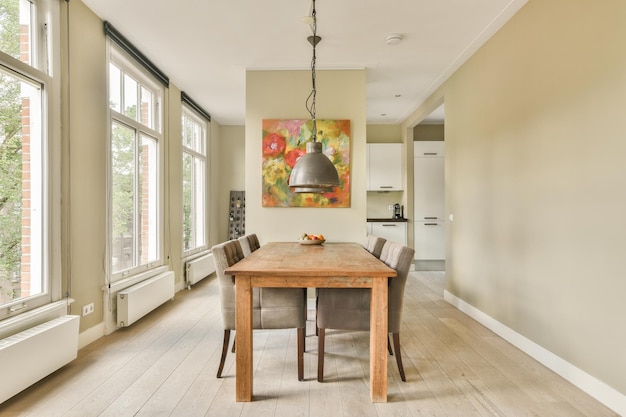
(314, 172)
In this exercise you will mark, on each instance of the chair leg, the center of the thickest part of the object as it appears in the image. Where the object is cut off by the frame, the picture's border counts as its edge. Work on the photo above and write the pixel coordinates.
(234, 343)
(316, 302)
(306, 316)
(301, 336)
(320, 354)
(389, 346)
(396, 344)
(224, 352)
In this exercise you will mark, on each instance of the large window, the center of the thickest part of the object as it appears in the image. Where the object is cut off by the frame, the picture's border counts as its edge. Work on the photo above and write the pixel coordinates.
(134, 203)
(27, 169)
(194, 138)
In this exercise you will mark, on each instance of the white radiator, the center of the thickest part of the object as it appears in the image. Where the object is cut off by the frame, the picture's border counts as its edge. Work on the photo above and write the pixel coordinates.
(30, 355)
(135, 302)
(199, 268)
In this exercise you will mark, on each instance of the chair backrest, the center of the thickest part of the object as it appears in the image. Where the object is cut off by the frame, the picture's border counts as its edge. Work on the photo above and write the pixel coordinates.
(272, 308)
(374, 245)
(400, 258)
(245, 245)
(224, 255)
(249, 243)
(254, 242)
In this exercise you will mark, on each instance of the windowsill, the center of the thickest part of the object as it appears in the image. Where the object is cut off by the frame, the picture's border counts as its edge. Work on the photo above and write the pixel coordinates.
(34, 317)
(125, 282)
(195, 255)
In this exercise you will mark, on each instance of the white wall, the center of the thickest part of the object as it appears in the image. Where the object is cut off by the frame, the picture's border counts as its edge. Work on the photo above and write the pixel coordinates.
(281, 95)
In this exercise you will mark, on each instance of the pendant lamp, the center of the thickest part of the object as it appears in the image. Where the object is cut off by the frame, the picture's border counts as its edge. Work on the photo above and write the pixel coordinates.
(313, 172)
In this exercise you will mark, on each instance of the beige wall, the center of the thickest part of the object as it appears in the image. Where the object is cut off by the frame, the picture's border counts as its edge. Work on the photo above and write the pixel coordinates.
(232, 172)
(84, 165)
(84, 160)
(384, 133)
(378, 202)
(232, 157)
(428, 132)
(534, 167)
(281, 95)
(535, 178)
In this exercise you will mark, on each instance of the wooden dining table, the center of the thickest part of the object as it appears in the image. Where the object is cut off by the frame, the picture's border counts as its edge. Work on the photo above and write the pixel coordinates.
(296, 265)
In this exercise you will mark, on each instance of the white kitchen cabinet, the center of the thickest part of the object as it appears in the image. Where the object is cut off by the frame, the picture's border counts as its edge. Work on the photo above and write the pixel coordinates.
(384, 167)
(391, 230)
(429, 200)
(429, 148)
(429, 240)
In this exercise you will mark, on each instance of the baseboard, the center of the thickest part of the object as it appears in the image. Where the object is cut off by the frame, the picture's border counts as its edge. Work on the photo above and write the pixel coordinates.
(90, 335)
(429, 265)
(602, 392)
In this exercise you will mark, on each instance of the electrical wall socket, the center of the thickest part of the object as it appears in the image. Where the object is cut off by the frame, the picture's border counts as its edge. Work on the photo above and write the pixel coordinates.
(390, 207)
(87, 309)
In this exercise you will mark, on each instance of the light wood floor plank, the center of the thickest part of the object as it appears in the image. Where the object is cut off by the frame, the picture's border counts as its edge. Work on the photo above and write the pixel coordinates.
(165, 365)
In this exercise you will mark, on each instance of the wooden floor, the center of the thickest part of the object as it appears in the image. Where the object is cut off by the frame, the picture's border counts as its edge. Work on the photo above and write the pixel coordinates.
(165, 365)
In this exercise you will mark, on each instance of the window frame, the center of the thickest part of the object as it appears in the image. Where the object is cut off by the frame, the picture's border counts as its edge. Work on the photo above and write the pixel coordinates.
(121, 59)
(189, 110)
(42, 73)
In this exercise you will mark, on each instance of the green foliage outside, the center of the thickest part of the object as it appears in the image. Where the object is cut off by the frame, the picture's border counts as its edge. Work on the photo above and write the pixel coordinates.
(10, 156)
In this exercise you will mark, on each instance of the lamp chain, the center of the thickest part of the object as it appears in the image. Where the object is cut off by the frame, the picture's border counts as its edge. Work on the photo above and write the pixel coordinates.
(310, 102)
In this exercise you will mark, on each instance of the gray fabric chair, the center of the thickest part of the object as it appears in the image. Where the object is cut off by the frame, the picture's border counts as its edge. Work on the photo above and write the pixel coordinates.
(349, 308)
(272, 308)
(249, 243)
(374, 245)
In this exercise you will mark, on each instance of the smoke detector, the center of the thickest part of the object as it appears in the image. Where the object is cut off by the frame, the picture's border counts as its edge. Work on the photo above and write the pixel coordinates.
(394, 39)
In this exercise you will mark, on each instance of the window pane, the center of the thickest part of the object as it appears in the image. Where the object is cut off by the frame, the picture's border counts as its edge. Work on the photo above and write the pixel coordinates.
(199, 209)
(194, 182)
(21, 190)
(187, 132)
(147, 108)
(188, 234)
(130, 97)
(122, 196)
(199, 139)
(15, 29)
(115, 88)
(193, 202)
(148, 201)
(193, 134)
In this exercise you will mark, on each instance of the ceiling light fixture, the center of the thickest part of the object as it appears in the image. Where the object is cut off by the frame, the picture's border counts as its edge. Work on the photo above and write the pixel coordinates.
(313, 172)
(394, 39)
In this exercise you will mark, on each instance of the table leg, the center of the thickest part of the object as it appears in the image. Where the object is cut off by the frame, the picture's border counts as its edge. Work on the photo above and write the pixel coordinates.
(243, 323)
(378, 340)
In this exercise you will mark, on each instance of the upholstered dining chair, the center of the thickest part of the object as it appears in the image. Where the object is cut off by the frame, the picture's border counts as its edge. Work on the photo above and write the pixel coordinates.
(374, 245)
(272, 308)
(249, 243)
(349, 308)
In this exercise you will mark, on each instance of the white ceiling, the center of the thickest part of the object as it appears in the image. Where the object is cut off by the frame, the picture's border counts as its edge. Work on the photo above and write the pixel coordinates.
(206, 46)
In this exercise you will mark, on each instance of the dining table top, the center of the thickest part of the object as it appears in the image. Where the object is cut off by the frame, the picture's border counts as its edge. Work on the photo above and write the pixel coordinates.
(285, 259)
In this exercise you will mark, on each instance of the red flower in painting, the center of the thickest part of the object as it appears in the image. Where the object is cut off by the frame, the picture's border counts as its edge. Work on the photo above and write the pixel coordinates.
(292, 156)
(273, 145)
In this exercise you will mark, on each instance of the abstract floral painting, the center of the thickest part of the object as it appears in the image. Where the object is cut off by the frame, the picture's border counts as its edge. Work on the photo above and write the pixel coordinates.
(284, 141)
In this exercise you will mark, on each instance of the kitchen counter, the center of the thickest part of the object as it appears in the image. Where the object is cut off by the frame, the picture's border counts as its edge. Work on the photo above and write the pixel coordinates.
(388, 219)
(394, 230)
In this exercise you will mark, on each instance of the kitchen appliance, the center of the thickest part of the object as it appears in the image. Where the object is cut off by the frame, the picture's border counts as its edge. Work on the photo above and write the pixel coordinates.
(398, 211)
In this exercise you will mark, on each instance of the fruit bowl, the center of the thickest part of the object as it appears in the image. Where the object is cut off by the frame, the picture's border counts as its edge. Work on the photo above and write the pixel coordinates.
(311, 241)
